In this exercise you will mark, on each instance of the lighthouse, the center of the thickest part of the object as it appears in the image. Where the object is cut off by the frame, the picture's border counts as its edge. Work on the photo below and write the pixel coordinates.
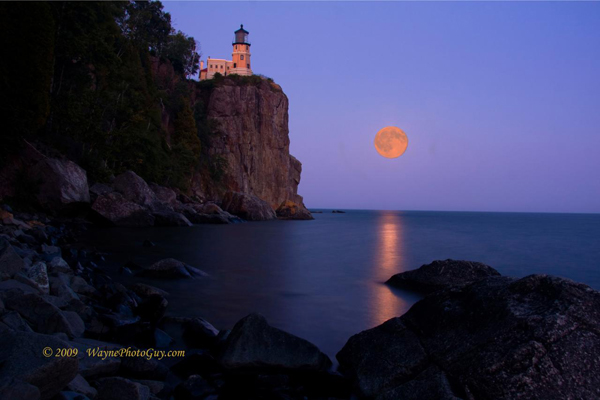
(239, 64)
(241, 52)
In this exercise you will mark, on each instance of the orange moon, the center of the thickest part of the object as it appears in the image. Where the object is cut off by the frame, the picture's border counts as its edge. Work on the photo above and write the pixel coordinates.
(391, 142)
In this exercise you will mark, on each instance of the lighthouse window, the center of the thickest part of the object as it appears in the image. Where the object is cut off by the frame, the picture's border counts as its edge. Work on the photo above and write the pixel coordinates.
(248, 66)
(234, 65)
(242, 57)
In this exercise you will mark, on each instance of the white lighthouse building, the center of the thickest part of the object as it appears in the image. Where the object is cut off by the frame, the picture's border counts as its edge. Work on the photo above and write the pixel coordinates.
(239, 64)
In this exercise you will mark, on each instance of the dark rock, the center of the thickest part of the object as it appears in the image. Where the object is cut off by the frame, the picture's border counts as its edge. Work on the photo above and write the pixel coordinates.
(170, 268)
(338, 212)
(63, 184)
(195, 387)
(57, 264)
(117, 388)
(429, 384)
(247, 206)
(39, 275)
(23, 279)
(290, 210)
(14, 321)
(253, 343)
(143, 290)
(10, 262)
(170, 218)
(143, 368)
(27, 239)
(16, 285)
(69, 395)
(197, 363)
(100, 189)
(152, 308)
(378, 358)
(80, 385)
(21, 358)
(11, 388)
(41, 315)
(157, 388)
(164, 195)
(148, 243)
(135, 189)
(114, 209)
(80, 286)
(442, 274)
(49, 252)
(498, 338)
(92, 365)
(199, 333)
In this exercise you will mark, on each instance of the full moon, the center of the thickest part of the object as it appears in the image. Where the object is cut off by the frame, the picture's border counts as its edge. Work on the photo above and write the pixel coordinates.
(391, 142)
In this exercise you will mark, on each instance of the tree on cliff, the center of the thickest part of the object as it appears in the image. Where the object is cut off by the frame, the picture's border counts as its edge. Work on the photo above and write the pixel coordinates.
(78, 76)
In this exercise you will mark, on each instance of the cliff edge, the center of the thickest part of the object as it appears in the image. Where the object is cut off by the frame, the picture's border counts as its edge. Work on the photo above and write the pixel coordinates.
(250, 138)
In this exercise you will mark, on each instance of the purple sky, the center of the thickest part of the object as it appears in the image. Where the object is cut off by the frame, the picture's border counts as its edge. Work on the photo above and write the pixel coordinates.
(500, 101)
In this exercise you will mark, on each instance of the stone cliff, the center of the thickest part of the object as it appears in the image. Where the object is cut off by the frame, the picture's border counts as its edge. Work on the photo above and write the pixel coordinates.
(251, 137)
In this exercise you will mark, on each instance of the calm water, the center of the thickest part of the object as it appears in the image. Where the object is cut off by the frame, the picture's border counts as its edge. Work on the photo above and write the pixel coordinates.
(322, 279)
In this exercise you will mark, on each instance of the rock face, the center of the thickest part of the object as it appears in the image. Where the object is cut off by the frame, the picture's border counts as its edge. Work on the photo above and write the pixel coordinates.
(498, 338)
(253, 140)
(247, 207)
(62, 184)
(253, 343)
(442, 274)
(290, 210)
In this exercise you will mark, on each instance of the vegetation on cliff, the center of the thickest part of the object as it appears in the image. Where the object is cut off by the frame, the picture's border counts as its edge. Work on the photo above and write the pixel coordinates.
(83, 78)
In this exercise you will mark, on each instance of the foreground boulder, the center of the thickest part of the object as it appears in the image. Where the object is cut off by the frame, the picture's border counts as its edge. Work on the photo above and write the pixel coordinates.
(254, 344)
(10, 262)
(170, 268)
(247, 207)
(41, 315)
(442, 274)
(499, 338)
(135, 189)
(62, 184)
(21, 358)
(290, 210)
(114, 209)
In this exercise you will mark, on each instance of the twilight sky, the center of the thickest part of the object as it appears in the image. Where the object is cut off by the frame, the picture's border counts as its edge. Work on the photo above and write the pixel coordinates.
(500, 101)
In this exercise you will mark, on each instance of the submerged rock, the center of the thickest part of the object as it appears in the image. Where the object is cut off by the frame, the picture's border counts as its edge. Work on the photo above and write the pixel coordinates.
(442, 274)
(498, 338)
(290, 210)
(170, 268)
(247, 206)
(254, 344)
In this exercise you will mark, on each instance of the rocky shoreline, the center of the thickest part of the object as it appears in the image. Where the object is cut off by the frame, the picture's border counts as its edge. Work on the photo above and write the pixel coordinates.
(476, 335)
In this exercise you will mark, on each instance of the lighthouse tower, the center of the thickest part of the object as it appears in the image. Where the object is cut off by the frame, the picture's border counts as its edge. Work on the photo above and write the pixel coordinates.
(241, 53)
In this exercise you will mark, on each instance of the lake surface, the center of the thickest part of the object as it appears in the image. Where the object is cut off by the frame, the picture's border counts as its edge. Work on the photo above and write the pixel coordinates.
(323, 280)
